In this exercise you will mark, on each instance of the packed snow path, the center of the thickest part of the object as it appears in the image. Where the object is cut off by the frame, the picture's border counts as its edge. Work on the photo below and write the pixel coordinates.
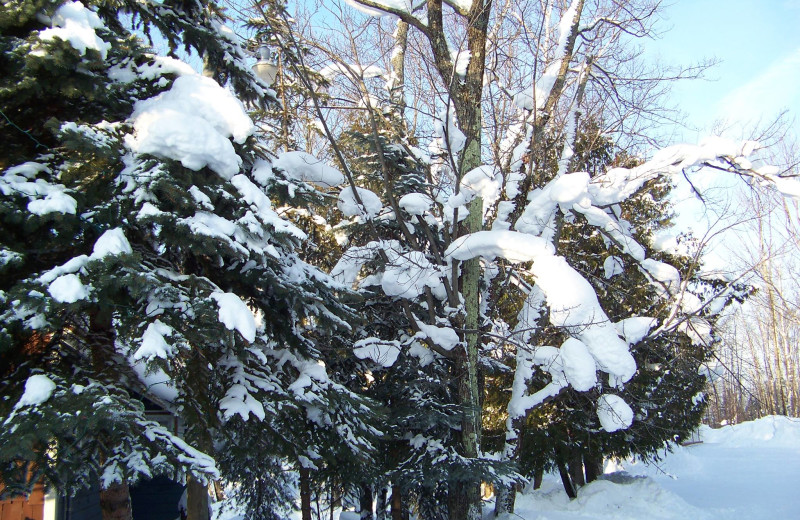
(749, 471)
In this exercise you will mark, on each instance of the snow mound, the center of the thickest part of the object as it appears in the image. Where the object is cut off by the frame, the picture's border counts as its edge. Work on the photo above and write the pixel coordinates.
(774, 431)
(616, 496)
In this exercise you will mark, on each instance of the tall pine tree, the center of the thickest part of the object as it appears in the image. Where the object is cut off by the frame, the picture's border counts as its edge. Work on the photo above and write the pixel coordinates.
(142, 257)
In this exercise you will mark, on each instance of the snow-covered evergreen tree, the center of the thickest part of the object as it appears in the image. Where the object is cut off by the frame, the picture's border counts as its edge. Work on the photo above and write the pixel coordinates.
(142, 257)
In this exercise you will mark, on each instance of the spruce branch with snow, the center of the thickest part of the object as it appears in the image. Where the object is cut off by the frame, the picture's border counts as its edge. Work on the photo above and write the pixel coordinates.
(144, 259)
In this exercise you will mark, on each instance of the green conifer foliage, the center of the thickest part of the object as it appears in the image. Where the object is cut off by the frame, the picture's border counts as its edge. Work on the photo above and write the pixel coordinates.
(141, 256)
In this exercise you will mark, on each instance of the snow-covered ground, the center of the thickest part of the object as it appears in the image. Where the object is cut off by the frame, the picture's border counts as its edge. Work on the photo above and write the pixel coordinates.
(749, 471)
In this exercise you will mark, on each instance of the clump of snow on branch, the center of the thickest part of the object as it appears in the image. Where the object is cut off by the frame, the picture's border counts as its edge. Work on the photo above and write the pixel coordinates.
(572, 300)
(513, 246)
(239, 401)
(193, 123)
(416, 203)
(617, 184)
(380, 351)
(544, 85)
(38, 389)
(612, 266)
(350, 70)
(485, 182)
(44, 197)
(445, 337)
(450, 140)
(111, 243)
(614, 413)
(408, 274)
(154, 343)
(235, 315)
(68, 288)
(153, 69)
(262, 207)
(305, 167)
(369, 207)
(64, 285)
(460, 60)
(396, 5)
(635, 328)
(579, 366)
(574, 306)
(74, 23)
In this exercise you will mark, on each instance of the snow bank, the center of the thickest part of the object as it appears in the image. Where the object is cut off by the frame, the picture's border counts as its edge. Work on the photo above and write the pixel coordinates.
(615, 497)
(746, 471)
(774, 431)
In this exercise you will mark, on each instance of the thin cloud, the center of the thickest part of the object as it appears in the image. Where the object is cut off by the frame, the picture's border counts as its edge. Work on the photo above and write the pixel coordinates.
(766, 94)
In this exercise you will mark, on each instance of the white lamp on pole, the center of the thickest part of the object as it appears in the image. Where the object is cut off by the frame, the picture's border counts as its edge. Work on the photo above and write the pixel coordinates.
(265, 68)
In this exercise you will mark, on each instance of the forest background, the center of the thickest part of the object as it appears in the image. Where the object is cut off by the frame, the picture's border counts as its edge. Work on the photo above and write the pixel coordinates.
(498, 292)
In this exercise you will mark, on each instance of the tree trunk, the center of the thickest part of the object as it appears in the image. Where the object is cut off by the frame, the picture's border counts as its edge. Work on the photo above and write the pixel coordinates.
(115, 502)
(565, 480)
(505, 497)
(196, 499)
(464, 498)
(380, 506)
(399, 511)
(365, 501)
(219, 495)
(305, 494)
(576, 469)
(463, 501)
(538, 476)
(593, 463)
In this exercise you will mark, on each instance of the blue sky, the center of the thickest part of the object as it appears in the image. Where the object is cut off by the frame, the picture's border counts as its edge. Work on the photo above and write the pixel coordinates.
(758, 45)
